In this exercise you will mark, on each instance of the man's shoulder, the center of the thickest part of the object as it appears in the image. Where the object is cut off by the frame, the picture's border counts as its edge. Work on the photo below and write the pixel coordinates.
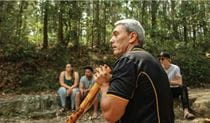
(175, 66)
(83, 78)
(136, 56)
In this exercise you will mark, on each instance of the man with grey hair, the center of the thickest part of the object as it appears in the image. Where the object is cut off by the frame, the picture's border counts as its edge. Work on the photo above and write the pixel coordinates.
(138, 90)
(133, 26)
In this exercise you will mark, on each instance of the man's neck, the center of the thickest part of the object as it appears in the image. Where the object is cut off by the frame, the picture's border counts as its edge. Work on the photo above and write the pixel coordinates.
(130, 47)
(167, 66)
(89, 77)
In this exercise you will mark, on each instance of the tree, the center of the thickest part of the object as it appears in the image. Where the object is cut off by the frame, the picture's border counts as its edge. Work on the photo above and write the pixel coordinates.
(154, 9)
(45, 26)
(175, 33)
(60, 23)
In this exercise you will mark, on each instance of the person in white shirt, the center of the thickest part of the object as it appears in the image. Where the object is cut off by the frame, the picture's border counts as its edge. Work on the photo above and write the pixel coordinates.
(176, 84)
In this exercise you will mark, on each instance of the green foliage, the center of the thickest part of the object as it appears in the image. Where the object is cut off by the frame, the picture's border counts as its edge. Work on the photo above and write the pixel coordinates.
(16, 51)
(194, 66)
(79, 32)
(42, 80)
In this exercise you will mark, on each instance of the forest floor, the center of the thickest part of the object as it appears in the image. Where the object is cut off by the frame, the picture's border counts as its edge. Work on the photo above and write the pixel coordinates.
(193, 93)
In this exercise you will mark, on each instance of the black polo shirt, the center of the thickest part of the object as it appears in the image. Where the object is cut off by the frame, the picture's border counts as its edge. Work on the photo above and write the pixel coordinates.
(139, 78)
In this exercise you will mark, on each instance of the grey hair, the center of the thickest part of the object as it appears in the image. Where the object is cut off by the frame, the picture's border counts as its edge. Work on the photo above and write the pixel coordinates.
(132, 25)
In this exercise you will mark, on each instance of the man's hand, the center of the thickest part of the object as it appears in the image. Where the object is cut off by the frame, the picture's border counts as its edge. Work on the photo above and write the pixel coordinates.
(176, 81)
(87, 90)
(102, 75)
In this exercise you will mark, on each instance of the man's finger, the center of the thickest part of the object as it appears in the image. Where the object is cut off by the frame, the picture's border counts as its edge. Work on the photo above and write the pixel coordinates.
(100, 69)
(107, 68)
(95, 75)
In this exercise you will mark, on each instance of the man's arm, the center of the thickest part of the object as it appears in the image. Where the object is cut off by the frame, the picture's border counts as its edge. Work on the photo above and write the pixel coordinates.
(117, 89)
(81, 88)
(113, 107)
(176, 81)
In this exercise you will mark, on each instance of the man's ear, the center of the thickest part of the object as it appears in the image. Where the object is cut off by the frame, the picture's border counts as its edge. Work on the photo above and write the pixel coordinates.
(133, 37)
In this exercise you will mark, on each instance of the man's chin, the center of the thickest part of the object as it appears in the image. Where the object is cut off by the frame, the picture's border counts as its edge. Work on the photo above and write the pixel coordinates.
(116, 54)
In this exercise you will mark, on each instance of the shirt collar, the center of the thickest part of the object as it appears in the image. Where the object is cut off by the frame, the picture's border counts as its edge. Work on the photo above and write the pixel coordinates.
(136, 48)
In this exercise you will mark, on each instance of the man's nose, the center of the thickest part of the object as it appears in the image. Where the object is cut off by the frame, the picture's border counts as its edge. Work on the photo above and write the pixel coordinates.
(111, 40)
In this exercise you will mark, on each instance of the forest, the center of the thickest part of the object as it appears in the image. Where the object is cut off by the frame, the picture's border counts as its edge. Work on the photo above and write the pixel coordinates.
(38, 38)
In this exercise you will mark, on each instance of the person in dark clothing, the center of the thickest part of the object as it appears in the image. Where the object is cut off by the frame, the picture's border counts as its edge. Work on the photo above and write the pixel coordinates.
(138, 89)
(176, 84)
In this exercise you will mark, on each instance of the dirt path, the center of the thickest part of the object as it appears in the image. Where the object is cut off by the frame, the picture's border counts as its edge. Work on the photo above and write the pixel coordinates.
(193, 94)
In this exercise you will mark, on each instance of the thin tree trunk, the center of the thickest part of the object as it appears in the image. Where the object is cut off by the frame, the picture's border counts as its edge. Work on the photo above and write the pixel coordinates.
(78, 23)
(93, 36)
(1, 18)
(127, 9)
(174, 25)
(60, 24)
(45, 28)
(104, 24)
(143, 9)
(19, 21)
(194, 36)
(88, 29)
(185, 29)
(203, 22)
(154, 18)
(97, 24)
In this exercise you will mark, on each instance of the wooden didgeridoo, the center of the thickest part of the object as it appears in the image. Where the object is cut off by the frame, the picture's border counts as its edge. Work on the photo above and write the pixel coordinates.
(85, 103)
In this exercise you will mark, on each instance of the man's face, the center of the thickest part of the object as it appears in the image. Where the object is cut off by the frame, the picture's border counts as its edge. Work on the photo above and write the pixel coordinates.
(88, 73)
(119, 40)
(163, 61)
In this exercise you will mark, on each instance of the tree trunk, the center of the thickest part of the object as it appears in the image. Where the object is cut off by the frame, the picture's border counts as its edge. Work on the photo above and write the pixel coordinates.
(76, 24)
(143, 10)
(45, 28)
(78, 30)
(60, 24)
(203, 22)
(127, 9)
(88, 24)
(1, 19)
(194, 36)
(97, 24)
(185, 29)
(154, 18)
(93, 28)
(175, 32)
(104, 23)
(19, 21)
(92, 33)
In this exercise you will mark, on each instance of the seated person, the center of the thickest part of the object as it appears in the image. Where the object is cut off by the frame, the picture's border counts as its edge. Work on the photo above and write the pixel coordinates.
(176, 85)
(86, 83)
(69, 81)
